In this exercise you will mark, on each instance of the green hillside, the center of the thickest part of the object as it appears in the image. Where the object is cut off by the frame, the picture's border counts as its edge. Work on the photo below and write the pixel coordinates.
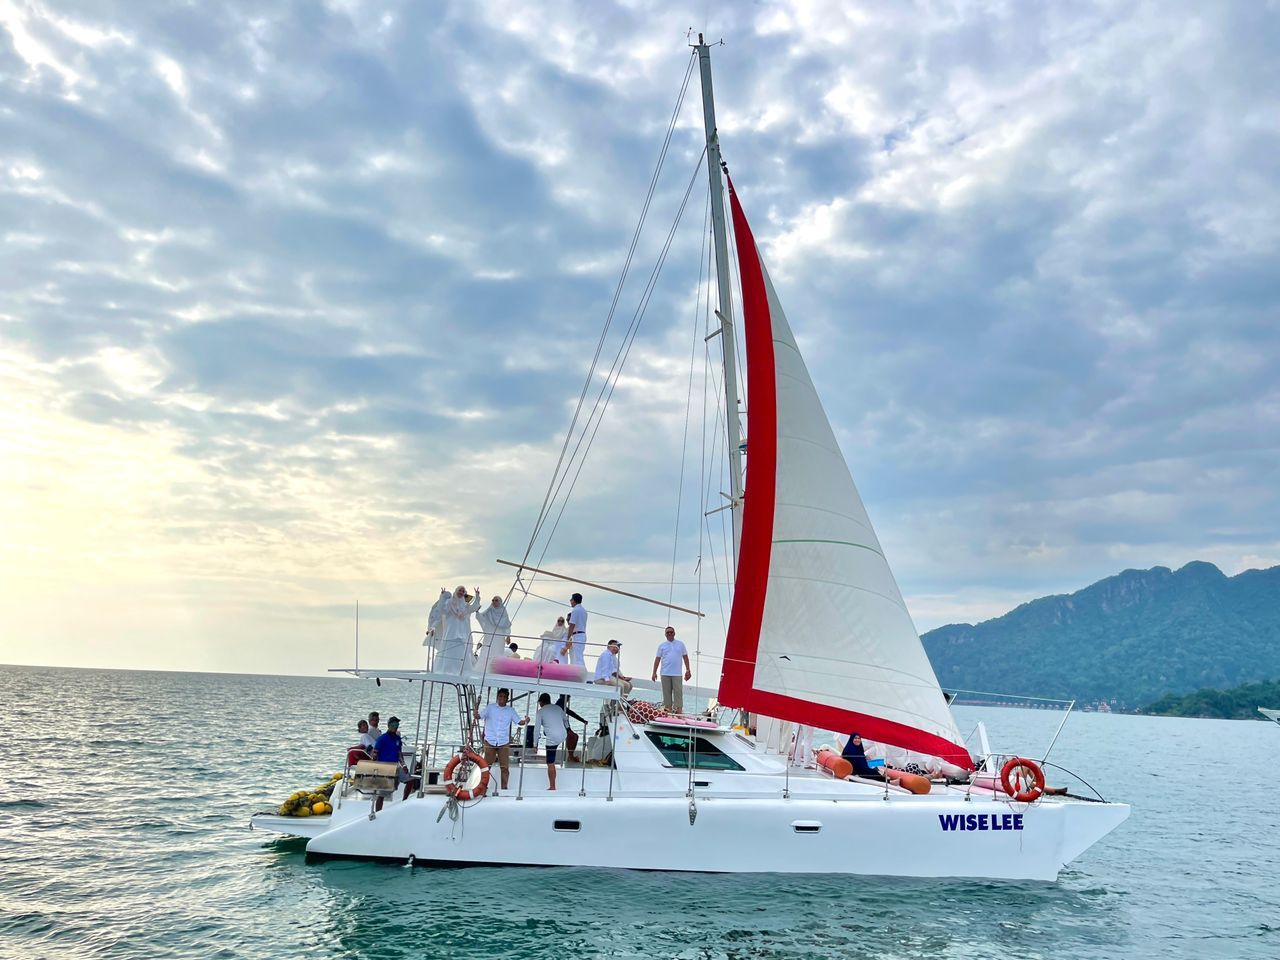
(1134, 637)
(1238, 703)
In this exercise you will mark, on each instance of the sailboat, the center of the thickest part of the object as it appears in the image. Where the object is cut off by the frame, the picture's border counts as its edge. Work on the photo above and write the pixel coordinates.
(1270, 714)
(720, 792)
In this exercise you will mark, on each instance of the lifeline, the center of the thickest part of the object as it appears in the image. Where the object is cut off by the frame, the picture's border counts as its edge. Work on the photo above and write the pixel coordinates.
(980, 821)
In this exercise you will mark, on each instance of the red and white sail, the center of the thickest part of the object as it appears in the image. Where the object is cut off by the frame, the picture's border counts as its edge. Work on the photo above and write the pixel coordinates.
(819, 633)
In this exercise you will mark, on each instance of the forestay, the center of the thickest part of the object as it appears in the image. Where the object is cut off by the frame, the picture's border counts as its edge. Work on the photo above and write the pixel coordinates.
(818, 633)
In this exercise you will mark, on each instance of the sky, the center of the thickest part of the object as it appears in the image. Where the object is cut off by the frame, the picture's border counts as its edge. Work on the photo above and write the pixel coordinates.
(297, 300)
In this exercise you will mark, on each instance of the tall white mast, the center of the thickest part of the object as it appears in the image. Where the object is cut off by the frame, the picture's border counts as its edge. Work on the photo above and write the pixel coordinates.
(725, 311)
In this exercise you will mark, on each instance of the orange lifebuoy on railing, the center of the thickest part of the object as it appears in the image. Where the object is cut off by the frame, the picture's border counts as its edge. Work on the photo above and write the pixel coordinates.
(452, 788)
(1022, 779)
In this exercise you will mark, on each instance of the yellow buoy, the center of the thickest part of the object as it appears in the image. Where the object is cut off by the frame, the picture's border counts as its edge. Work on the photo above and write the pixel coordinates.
(304, 811)
(317, 808)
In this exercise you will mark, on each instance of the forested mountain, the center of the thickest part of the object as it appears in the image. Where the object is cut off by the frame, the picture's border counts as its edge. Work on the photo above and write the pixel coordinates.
(1133, 637)
(1238, 703)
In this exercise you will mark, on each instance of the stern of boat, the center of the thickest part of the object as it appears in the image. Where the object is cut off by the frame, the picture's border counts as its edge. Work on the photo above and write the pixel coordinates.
(305, 827)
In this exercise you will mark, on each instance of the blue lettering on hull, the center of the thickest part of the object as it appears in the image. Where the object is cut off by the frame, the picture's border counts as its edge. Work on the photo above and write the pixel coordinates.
(979, 821)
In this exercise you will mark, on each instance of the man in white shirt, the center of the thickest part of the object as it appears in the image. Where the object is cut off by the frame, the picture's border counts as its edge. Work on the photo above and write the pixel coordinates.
(374, 731)
(551, 723)
(576, 642)
(670, 652)
(607, 669)
(498, 719)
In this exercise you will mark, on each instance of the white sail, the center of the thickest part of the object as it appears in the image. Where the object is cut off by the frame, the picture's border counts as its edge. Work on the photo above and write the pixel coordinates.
(823, 636)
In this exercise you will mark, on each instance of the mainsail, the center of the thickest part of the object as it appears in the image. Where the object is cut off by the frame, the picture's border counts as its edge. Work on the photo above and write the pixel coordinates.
(818, 633)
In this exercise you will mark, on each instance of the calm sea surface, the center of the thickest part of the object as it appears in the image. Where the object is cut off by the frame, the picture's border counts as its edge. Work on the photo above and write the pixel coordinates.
(125, 796)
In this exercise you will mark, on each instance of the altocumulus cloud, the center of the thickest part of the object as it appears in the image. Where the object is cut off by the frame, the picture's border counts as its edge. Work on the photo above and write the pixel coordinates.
(297, 298)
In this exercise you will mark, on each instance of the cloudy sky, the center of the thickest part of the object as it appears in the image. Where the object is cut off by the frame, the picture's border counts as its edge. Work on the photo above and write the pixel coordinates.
(297, 300)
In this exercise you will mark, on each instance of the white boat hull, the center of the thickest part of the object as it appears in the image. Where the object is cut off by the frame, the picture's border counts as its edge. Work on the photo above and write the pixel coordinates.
(902, 836)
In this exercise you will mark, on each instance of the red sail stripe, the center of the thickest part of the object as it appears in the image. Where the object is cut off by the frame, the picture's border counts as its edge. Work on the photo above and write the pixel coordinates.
(742, 641)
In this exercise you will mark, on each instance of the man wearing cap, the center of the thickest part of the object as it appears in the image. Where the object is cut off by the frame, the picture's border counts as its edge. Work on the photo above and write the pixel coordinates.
(575, 646)
(607, 669)
(389, 746)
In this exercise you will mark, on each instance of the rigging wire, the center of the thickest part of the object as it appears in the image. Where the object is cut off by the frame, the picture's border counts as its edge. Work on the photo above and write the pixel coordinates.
(553, 486)
(688, 399)
(623, 352)
(596, 613)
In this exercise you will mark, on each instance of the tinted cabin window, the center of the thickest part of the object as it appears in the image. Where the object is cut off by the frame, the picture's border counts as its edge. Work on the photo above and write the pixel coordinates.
(674, 748)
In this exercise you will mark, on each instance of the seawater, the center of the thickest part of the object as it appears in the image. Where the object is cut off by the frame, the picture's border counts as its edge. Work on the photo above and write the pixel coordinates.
(125, 797)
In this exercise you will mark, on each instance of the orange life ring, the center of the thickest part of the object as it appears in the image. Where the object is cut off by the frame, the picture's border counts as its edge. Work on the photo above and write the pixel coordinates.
(1022, 779)
(462, 793)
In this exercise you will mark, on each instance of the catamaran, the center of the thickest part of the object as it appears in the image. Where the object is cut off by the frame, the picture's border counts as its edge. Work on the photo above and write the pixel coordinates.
(727, 788)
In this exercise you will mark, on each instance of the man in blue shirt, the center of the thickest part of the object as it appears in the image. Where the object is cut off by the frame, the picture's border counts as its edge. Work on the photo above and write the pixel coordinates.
(389, 746)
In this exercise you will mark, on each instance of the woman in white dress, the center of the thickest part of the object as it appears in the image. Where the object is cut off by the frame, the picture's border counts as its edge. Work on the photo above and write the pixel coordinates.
(455, 653)
(496, 624)
(434, 639)
(552, 643)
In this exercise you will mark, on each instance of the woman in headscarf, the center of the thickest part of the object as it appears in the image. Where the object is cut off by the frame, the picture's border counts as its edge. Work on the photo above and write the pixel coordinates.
(496, 624)
(455, 656)
(857, 757)
(552, 642)
(435, 627)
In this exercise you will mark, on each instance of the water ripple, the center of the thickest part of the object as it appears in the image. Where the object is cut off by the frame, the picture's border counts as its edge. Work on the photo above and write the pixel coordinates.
(128, 839)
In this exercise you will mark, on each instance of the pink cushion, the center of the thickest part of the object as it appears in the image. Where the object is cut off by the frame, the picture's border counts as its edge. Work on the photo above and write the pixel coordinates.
(511, 667)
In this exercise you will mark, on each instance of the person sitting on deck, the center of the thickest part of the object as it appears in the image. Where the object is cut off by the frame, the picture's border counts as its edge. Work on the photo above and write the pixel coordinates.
(552, 642)
(607, 669)
(389, 746)
(390, 749)
(857, 757)
(363, 749)
(498, 719)
(550, 722)
(513, 651)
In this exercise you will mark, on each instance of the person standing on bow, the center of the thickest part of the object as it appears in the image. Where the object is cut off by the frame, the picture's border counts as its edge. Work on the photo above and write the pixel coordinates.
(607, 667)
(668, 659)
(455, 655)
(496, 624)
(575, 647)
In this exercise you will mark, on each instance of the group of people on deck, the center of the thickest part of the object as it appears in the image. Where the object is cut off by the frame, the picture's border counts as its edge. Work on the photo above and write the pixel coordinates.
(449, 632)
(550, 721)
(376, 745)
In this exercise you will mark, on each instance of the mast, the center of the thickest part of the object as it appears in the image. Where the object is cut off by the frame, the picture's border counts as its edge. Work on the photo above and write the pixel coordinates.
(725, 312)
